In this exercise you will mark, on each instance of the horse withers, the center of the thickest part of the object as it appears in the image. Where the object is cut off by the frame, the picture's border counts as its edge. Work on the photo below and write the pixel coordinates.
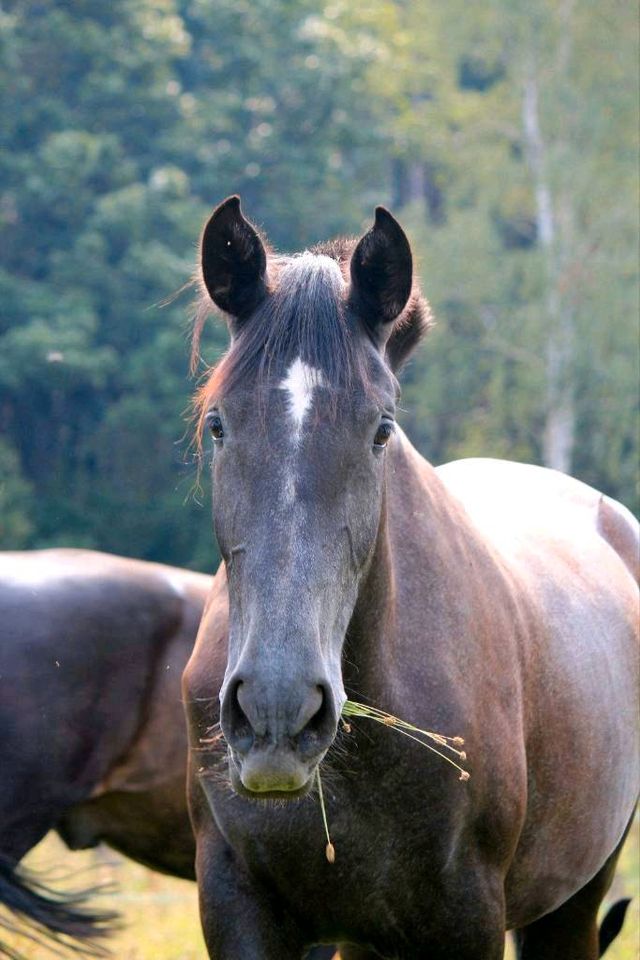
(488, 600)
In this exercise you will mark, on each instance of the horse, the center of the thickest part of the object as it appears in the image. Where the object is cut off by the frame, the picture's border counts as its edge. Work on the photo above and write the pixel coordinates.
(485, 600)
(93, 741)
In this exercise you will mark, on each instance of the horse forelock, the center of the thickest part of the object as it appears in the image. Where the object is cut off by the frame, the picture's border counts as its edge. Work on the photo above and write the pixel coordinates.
(303, 317)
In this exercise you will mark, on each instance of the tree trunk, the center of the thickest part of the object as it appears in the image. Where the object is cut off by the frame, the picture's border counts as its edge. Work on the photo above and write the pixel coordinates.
(560, 418)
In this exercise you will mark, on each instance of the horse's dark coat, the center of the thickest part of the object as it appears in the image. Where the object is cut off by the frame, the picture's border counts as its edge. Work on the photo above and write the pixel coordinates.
(93, 742)
(486, 599)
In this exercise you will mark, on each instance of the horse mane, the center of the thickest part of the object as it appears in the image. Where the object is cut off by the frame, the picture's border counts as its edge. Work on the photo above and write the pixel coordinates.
(304, 314)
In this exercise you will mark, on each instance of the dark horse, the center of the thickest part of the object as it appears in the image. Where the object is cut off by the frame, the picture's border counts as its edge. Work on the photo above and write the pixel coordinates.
(486, 599)
(92, 738)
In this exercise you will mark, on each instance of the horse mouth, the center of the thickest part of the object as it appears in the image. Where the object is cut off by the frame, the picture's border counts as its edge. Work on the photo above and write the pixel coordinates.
(259, 781)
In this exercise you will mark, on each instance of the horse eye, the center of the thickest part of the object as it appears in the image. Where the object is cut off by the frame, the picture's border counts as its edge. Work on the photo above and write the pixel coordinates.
(215, 426)
(383, 433)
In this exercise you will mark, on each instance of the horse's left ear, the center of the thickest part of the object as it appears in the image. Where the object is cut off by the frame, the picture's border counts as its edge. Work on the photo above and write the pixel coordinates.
(381, 275)
(233, 260)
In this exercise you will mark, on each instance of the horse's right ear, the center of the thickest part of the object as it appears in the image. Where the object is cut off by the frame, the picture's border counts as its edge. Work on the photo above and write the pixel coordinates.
(233, 260)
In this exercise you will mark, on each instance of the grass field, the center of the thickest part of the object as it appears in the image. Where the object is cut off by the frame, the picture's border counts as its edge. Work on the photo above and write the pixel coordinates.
(161, 915)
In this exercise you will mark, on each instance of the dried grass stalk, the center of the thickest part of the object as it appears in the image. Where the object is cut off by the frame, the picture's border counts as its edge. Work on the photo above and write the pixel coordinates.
(352, 708)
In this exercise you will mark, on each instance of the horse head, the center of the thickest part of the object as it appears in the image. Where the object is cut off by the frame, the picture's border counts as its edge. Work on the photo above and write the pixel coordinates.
(301, 410)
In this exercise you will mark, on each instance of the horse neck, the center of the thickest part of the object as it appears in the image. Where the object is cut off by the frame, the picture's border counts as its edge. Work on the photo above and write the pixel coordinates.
(372, 623)
(423, 533)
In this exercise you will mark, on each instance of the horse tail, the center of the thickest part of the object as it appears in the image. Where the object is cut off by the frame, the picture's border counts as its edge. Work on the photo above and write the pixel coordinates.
(36, 912)
(612, 924)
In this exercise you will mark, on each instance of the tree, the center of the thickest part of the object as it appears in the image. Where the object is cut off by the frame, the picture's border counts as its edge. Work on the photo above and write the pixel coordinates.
(504, 135)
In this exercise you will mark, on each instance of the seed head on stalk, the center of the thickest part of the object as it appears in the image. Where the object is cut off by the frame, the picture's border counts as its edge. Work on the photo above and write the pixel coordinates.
(352, 708)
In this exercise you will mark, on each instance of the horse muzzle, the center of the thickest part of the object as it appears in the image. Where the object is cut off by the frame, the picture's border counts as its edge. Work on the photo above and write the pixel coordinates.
(278, 733)
(269, 773)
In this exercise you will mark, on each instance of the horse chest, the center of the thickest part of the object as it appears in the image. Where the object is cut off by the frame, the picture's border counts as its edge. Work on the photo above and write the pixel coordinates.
(393, 872)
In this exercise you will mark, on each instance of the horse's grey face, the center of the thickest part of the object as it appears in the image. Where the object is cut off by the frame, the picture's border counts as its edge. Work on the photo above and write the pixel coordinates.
(297, 501)
(298, 471)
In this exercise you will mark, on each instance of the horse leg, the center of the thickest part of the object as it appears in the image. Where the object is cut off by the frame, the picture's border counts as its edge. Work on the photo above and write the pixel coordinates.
(488, 946)
(472, 931)
(571, 932)
(237, 915)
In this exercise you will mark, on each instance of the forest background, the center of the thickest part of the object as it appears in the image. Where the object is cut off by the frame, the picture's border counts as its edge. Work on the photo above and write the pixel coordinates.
(502, 133)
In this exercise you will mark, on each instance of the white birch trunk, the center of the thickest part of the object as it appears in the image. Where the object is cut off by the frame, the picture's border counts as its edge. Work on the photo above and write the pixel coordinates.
(560, 418)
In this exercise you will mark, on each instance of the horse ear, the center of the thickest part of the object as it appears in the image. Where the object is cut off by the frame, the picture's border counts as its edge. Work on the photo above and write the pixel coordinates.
(233, 260)
(381, 274)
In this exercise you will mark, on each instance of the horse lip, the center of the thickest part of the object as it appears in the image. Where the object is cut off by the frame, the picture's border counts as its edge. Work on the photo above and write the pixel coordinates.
(286, 795)
(267, 783)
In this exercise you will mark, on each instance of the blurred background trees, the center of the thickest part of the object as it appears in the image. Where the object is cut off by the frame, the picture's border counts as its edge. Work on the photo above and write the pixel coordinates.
(503, 134)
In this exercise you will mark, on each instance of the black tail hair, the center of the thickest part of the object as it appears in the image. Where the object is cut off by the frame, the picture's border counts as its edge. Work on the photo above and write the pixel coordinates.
(612, 923)
(44, 916)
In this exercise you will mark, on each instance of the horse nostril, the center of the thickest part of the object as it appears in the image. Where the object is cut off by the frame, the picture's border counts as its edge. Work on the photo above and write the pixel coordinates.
(302, 719)
(235, 723)
(320, 728)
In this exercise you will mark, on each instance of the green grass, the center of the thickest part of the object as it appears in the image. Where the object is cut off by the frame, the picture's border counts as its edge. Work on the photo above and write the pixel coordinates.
(161, 914)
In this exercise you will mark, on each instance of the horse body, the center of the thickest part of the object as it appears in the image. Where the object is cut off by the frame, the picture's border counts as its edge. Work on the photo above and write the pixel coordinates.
(93, 646)
(488, 602)
(578, 658)
(93, 742)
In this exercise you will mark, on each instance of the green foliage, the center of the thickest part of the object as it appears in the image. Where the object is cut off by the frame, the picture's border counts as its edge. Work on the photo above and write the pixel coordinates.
(123, 123)
(280, 113)
(16, 501)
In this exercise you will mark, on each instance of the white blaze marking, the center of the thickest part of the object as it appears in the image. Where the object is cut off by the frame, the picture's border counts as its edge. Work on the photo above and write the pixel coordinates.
(300, 381)
(307, 276)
